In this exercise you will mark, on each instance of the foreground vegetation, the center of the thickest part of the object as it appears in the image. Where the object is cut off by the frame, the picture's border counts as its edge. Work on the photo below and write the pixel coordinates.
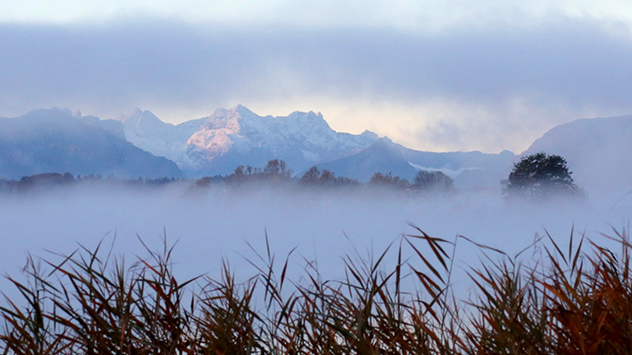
(574, 299)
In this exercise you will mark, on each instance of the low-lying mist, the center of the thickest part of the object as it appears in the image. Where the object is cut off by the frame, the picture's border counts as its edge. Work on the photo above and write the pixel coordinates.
(211, 225)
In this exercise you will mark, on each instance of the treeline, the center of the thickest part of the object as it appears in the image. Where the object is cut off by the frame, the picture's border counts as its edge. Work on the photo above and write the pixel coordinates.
(536, 177)
(54, 180)
(275, 174)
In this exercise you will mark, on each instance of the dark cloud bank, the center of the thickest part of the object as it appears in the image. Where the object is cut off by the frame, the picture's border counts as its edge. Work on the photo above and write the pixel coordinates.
(113, 67)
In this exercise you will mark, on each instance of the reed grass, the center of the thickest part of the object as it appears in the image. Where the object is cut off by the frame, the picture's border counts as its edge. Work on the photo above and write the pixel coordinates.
(574, 299)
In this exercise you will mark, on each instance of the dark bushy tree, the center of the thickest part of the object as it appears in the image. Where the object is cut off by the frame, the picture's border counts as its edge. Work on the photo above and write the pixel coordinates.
(277, 168)
(276, 171)
(432, 181)
(538, 176)
(326, 178)
(46, 180)
(388, 181)
(311, 176)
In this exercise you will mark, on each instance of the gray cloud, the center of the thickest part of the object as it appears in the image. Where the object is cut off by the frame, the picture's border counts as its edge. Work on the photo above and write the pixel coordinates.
(159, 63)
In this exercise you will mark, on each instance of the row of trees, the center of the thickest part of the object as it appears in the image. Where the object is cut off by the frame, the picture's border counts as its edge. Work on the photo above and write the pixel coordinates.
(52, 180)
(428, 181)
(276, 172)
(534, 177)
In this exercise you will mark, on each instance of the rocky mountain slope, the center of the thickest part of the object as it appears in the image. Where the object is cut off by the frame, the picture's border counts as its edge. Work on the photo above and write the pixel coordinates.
(45, 141)
(230, 137)
(597, 150)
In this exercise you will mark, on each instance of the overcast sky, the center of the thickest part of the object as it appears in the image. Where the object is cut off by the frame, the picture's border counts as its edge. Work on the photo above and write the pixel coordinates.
(432, 75)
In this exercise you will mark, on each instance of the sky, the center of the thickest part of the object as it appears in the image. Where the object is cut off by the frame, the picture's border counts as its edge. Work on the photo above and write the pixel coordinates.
(431, 75)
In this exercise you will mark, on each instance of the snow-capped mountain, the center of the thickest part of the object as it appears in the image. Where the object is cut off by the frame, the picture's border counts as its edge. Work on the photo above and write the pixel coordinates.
(148, 132)
(230, 137)
(597, 151)
(59, 141)
(44, 141)
(237, 136)
(56, 140)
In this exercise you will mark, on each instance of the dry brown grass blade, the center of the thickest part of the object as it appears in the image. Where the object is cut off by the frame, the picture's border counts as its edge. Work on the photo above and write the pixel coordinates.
(571, 301)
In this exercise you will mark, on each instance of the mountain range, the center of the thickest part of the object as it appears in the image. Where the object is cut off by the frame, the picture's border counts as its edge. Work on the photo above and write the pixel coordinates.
(55, 140)
(218, 143)
(230, 137)
(141, 145)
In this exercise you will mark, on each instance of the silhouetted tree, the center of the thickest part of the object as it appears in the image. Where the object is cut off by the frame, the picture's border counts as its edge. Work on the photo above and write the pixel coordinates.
(432, 181)
(46, 180)
(540, 175)
(326, 178)
(275, 171)
(388, 180)
(277, 168)
(207, 181)
(311, 176)
(241, 174)
(90, 177)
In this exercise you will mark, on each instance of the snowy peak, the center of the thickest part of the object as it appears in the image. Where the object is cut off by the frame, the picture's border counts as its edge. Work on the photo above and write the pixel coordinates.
(226, 119)
(301, 138)
(146, 131)
(143, 120)
(233, 119)
(243, 111)
(230, 137)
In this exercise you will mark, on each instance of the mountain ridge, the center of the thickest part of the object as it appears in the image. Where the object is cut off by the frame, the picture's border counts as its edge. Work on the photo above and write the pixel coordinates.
(56, 140)
(229, 137)
(43, 140)
(596, 151)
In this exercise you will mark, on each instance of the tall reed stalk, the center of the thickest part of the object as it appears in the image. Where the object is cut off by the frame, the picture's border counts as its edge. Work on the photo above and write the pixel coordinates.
(571, 300)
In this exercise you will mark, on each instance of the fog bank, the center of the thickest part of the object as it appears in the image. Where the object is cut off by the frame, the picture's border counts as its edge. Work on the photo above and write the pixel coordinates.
(212, 225)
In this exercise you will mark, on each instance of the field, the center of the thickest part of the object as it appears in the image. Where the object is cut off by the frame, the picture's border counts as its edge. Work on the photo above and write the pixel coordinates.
(168, 271)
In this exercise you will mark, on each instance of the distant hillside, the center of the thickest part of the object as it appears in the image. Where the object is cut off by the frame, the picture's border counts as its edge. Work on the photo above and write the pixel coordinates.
(381, 157)
(468, 169)
(47, 141)
(597, 151)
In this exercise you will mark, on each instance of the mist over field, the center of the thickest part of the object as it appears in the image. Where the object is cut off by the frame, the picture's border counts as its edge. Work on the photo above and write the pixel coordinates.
(210, 225)
(414, 177)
